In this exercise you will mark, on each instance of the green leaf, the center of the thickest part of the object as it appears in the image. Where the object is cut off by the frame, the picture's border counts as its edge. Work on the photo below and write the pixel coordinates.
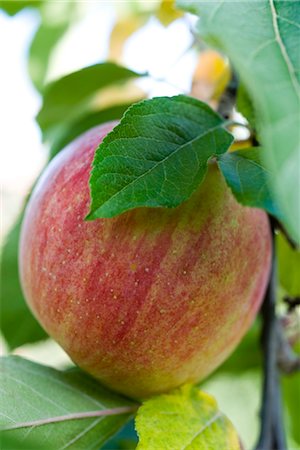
(65, 98)
(239, 397)
(12, 7)
(13, 443)
(46, 37)
(86, 122)
(291, 397)
(248, 178)
(18, 325)
(65, 409)
(262, 40)
(156, 156)
(186, 418)
(288, 266)
(245, 105)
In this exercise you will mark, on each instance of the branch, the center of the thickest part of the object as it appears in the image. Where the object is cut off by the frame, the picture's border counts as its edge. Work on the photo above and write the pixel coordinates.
(272, 435)
(288, 361)
(292, 302)
(228, 98)
(281, 228)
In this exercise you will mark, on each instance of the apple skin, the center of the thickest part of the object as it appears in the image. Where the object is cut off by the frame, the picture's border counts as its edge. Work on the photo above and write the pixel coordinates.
(150, 299)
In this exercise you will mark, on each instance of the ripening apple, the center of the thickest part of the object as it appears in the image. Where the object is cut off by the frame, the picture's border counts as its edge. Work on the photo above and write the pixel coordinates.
(150, 299)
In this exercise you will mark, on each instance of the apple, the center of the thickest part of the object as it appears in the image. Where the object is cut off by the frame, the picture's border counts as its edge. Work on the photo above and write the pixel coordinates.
(153, 298)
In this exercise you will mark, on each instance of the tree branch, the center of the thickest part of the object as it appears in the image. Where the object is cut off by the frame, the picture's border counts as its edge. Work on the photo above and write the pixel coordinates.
(288, 361)
(272, 435)
(228, 99)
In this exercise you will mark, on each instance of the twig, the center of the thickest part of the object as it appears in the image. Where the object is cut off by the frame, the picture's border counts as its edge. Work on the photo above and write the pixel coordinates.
(291, 302)
(272, 435)
(228, 99)
(288, 361)
(278, 225)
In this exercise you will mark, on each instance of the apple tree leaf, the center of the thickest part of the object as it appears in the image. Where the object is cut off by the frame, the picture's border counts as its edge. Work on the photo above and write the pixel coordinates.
(248, 178)
(62, 409)
(56, 18)
(262, 41)
(18, 325)
(186, 418)
(66, 98)
(157, 156)
(245, 106)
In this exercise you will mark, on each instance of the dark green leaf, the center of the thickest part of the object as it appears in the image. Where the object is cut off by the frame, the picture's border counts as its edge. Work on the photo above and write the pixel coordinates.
(65, 98)
(18, 325)
(288, 266)
(262, 40)
(156, 156)
(125, 439)
(92, 119)
(248, 178)
(37, 402)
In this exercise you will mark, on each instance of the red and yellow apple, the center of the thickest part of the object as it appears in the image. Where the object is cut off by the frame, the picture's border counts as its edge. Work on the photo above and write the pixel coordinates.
(152, 298)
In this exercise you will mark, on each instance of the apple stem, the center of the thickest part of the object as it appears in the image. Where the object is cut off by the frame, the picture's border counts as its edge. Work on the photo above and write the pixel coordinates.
(272, 433)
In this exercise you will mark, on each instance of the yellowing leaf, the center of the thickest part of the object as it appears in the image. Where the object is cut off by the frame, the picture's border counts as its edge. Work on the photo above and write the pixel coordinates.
(240, 145)
(115, 95)
(185, 419)
(211, 76)
(167, 12)
(122, 30)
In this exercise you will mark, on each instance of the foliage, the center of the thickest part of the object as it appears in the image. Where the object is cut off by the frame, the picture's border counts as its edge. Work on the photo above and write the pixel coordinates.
(49, 407)
(17, 323)
(184, 419)
(247, 178)
(65, 98)
(270, 72)
(174, 139)
(13, 7)
(166, 144)
(56, 20)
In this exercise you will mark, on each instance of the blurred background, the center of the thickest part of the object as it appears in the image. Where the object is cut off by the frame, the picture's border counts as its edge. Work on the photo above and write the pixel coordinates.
(42, 41)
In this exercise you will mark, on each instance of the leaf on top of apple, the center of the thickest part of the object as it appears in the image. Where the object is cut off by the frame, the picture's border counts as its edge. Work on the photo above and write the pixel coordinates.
(186, 418)
(51, 409)
(247, 177)
(157, 156)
